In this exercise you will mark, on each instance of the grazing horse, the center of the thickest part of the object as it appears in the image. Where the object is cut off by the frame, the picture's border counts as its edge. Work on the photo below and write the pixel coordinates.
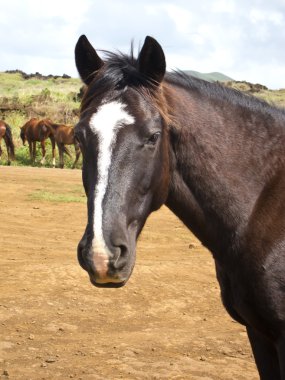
(214, 156)
(64, 135)
(38, 130)
(6, 134)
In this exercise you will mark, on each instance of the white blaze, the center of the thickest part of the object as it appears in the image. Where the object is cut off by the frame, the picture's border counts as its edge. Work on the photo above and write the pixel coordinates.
(105, 123)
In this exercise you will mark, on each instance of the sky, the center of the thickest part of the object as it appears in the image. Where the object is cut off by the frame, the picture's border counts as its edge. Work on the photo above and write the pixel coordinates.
(240, 38)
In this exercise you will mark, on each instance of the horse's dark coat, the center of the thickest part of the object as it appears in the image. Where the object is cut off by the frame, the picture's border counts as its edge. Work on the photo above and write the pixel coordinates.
(218, 164)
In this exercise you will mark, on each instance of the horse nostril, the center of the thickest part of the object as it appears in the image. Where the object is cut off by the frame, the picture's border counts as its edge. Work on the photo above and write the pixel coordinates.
(119, 260)
(124, 251)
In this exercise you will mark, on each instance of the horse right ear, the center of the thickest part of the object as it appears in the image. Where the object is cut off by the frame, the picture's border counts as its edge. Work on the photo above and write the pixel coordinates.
(87, 60)
(151, 60)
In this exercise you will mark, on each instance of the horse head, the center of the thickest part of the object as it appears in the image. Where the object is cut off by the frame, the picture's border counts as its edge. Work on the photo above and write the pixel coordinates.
(124, 137)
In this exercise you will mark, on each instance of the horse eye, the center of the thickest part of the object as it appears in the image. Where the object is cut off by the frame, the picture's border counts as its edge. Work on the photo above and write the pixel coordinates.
(153, 138)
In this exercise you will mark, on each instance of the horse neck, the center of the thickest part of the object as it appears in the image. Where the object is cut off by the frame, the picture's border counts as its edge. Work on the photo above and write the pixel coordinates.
(216, 178)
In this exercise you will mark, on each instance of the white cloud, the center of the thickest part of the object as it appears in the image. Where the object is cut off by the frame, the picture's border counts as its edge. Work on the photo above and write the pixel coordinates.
(240, 38)
(224, 6)
(257, 15)
(181, 17)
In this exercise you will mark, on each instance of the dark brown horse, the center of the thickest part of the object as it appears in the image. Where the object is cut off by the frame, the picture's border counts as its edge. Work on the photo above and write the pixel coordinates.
(6, 134)
(214, 156)
(34, 131)
(64, 135)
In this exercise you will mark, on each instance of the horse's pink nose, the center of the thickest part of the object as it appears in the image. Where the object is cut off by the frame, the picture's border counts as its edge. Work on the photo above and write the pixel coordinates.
(100, 262)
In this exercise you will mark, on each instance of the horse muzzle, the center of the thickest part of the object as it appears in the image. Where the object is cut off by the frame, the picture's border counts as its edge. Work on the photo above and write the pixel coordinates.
(105, 268)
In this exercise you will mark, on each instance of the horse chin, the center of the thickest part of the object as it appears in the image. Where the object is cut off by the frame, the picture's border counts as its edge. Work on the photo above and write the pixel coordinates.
(112, 281)
(108, 284)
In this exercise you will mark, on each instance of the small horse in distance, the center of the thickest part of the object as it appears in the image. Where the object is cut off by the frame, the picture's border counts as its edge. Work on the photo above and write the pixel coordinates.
(214, 156)
(34, 131)
(6, 134)
(64, 135)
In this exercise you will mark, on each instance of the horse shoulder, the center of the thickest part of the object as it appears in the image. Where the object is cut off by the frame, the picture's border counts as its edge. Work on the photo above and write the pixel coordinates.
(266, 227)
(264, 254)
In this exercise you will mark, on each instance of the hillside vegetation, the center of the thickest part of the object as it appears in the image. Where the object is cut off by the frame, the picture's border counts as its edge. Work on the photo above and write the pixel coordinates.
(39, 96)
(275, 97)
(25, 96)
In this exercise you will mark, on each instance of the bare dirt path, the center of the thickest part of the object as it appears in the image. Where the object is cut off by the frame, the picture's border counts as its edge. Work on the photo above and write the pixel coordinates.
(166, 323)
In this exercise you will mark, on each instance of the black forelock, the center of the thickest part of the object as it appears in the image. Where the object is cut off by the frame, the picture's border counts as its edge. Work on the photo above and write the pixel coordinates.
(118, 72)
(125, 69)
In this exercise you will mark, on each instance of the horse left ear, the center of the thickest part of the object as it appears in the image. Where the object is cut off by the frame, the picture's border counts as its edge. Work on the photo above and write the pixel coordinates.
(151, 60)
(87, 60)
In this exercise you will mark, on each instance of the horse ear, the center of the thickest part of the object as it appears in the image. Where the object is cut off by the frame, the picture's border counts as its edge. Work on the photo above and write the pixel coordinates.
(151, 60)
(87, 60)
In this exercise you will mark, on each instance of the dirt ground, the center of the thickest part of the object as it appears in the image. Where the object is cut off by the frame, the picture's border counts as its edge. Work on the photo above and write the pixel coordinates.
(166, 323)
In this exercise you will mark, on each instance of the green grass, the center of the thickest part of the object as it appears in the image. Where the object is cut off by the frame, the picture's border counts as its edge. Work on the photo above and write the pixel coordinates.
(15, 119)
(41, 195)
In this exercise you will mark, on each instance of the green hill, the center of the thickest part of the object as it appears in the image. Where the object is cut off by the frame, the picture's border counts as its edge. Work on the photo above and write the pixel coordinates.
(210, 77)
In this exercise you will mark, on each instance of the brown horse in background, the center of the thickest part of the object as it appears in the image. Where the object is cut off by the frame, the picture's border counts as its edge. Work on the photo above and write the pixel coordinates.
(36, 130)
(64, 135)
(6, 134)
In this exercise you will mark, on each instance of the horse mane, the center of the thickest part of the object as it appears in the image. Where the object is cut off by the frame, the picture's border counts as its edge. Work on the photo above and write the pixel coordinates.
(219, 92)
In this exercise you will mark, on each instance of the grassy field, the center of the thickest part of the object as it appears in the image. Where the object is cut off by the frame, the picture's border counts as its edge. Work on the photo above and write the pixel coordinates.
(42, 97)
(57, 98)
